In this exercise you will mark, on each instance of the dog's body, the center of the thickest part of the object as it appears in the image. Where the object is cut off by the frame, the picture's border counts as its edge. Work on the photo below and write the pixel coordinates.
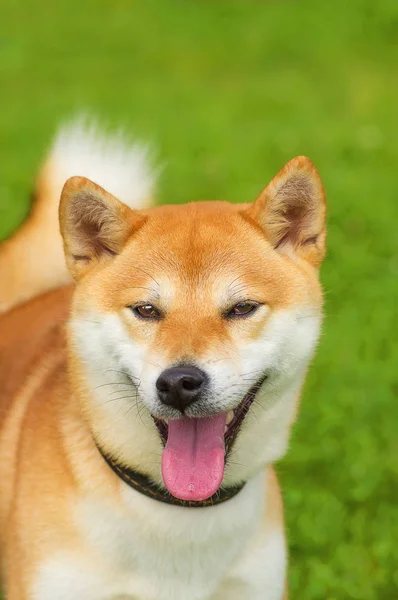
(70, 528)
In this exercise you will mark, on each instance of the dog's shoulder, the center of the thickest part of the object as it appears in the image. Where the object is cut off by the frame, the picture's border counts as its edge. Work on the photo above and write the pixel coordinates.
(28, 334)
(32, 341)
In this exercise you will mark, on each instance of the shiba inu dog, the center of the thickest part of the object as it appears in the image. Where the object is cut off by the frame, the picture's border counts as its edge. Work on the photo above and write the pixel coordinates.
(145, 398)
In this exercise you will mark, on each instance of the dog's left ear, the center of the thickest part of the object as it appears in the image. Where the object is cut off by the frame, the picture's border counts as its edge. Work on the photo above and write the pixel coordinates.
(94, 225)
(292, 211)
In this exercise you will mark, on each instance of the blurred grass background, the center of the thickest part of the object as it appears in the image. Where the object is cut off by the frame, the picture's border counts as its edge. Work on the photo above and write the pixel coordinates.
(229, 91)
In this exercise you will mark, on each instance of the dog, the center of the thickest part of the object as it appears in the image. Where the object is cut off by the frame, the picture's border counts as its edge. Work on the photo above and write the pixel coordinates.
(151, 363)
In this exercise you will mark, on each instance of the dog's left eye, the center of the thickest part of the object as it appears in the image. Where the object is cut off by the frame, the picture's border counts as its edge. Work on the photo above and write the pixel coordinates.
(243, 309)
(146, 311)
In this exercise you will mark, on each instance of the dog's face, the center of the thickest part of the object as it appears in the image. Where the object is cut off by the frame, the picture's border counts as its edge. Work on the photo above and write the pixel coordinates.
(193, 326)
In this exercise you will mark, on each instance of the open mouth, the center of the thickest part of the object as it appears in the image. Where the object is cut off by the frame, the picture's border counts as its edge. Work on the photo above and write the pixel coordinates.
(233, 421)
(196, 449)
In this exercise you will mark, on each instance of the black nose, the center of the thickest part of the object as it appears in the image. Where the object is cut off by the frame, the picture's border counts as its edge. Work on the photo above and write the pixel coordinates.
(181, 386)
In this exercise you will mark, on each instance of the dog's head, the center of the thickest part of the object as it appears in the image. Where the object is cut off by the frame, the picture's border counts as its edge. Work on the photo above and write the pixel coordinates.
(193, 325)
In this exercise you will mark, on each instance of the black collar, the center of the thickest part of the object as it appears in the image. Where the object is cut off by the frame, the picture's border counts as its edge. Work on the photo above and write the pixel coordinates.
(144, 485)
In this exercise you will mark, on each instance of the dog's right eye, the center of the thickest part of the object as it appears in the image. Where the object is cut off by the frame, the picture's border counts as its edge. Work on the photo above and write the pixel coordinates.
(146, 311)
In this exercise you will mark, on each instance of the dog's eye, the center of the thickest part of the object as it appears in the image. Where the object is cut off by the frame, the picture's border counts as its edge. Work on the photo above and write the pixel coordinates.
(146, 311)
(243, 309)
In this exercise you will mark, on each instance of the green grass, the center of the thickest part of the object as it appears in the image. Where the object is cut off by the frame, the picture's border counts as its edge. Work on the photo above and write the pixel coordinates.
(230, 90)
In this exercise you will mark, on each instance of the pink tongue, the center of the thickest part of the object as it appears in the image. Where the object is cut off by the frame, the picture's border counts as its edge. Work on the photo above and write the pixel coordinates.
(193, 459)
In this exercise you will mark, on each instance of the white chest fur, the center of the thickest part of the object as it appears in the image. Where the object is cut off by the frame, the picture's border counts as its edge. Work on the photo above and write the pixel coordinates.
(151, 551)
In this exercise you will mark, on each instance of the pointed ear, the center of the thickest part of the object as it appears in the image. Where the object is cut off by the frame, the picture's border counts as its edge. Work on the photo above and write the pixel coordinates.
(94, 224)
(292, 211)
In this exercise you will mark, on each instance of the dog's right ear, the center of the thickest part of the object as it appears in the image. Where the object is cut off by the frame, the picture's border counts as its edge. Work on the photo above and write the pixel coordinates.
(94, 225)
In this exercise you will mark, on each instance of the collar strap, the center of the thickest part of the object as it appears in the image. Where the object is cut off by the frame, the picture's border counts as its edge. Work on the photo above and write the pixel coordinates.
(144, 485)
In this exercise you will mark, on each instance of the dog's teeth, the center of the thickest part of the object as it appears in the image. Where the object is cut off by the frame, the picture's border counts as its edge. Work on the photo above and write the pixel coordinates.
(230, 416)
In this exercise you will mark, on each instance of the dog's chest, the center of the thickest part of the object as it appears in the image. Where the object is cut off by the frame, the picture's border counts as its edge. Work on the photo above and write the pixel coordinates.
(159, 552)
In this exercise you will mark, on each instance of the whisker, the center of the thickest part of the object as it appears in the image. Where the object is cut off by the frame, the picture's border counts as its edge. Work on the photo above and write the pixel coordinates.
(129, 389)
(121, 372)
(146, 273)
(211, 361)
(151, 363)
(255, 372)
(138, 404)
(118, 399)
(234, 462)
(239, 292)
(142, 287)
(231, 284)
(110, 383)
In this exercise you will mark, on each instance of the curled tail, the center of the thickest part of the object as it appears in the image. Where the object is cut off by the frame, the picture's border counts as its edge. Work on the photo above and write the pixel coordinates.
(32, 260)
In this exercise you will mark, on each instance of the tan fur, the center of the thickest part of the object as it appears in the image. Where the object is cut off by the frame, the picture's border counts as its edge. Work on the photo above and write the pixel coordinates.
(24, 273)
(46, 443)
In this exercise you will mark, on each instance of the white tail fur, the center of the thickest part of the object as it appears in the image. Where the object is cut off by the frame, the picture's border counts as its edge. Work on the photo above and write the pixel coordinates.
(32, 260)
(112, 161)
